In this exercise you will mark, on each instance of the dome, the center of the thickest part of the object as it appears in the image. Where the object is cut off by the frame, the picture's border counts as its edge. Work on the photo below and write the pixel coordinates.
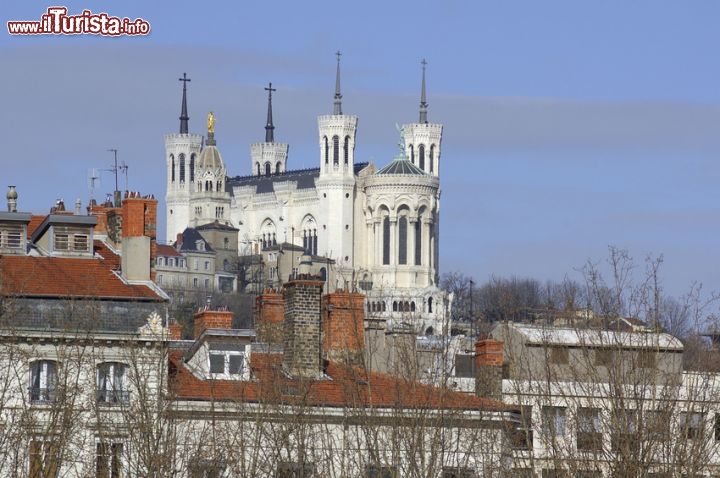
(401, 166)
(210, 159)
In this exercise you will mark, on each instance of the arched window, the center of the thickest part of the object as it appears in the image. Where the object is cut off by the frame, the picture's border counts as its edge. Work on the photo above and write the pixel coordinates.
(412, 306)
(386, 241)
(323, 274)
(277, 168)
(192, 167)
(219, 186)
(430, 301)
(210, 185)
(336, 150)
(402, 240)
(182, 168)
(257, 165)
(382, 306)
(395, 306)
(172, 168)
(268, 169)
(346, 149)
(412, 154)
(327, 150)
(373, 308)
(421, 153)
(432, 158)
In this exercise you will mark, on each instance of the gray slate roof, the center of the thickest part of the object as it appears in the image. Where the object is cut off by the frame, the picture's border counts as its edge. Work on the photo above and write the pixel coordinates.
(401, 166)
(266, 184)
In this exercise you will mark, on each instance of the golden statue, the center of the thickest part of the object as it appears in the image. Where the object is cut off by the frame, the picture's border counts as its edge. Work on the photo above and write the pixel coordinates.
(211, 122)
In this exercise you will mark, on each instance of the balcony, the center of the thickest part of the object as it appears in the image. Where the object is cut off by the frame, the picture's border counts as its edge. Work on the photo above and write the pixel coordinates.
(112, 397)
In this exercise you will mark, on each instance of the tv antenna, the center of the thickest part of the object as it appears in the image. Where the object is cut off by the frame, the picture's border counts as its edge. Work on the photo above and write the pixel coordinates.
(115, 168)
(124, 170)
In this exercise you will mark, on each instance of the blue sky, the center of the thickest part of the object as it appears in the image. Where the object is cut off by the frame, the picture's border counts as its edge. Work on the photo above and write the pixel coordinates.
(569, 126)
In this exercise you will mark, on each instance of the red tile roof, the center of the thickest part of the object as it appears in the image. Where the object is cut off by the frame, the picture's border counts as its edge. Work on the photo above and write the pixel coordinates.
(167, 251)
(35, 222)
(31, 276)
(346, 387)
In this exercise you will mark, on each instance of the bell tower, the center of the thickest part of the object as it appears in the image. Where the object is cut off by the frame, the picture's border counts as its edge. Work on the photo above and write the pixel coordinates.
(336, 184)
(181, 152)
(422, 139)
(269, 157)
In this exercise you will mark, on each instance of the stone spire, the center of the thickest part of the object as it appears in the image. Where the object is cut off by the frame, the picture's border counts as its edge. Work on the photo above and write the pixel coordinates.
(337, 110)
(423, 99)
(183, 109)
(269, 127)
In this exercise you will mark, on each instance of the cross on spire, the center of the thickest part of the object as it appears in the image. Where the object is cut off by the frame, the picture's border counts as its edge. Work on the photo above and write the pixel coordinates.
(269, 127)
(337, 110)
(183, 109)
(423, 99)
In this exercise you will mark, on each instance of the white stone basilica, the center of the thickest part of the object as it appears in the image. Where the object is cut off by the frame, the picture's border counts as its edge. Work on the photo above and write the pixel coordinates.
(380, 226)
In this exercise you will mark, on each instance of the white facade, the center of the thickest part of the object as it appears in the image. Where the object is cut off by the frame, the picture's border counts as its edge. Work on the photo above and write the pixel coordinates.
(379, 225)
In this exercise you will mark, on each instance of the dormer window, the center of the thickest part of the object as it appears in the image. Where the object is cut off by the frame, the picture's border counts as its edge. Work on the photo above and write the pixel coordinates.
(11, 237)
(65, 239)
(227, 364)
(200, 245)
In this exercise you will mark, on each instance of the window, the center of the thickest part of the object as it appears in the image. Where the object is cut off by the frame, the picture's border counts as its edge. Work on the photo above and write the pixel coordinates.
(589, 432)
(327, 149)
(197, 264)
(520, 432)
(657, 423)
(219, 212)
(229, 363)
(624, 426)
(268, 169)
(207, 265)
(11, 237)
(207, 283)
(198, 210)
(43, 381)
(559, 355)
(458, 472)
(380, 471)
(108, 460)
(195, 282)
(402, 237)
(336, 150)
(182, 168)
(207, 469)
(346, 149)
(111, 388)
(295, 470)
(717, 427)
(421, 153)
(646, 359)
(604, 357)
(62, 242)
(430, 303)
(172, 168)
(226, 243)
(44, 459)
(418, 242)
(386, 241)
(691, 424)
(192, 167)
(432, 158)
(554, 421)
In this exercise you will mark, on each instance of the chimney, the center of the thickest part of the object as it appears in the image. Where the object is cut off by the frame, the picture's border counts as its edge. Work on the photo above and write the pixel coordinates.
(175, 330)
(269, 316)
(211, 319)
(12, 196)
(301, 357)
(139, 247)
(489, 368)
(343, 327)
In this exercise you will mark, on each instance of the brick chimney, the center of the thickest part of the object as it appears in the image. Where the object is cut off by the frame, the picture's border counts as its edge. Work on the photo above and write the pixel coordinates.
(211, 319)
(489, 368)
(301, 356)
(343, 327)
(269, 316)
(139, 246)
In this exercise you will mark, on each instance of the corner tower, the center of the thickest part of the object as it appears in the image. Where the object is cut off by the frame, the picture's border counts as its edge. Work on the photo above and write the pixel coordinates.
(336, 183)
(269, 157)
(422, 139)
(181, 152)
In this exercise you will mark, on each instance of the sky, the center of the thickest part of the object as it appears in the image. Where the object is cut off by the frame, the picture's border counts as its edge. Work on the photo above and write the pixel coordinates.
(569, 126)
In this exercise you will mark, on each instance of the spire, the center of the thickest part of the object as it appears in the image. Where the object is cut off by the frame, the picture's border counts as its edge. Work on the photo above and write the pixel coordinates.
(183, 109)
(337, 110)
(423, 99)
(269, 127)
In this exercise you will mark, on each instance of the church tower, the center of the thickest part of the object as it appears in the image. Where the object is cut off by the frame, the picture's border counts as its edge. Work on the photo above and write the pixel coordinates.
(336, 184)
(422, 139)
(181, 152)
(269, 157)
(208, 199)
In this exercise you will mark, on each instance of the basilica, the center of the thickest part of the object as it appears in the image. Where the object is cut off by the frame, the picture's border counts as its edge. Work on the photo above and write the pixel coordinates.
(378, 224)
